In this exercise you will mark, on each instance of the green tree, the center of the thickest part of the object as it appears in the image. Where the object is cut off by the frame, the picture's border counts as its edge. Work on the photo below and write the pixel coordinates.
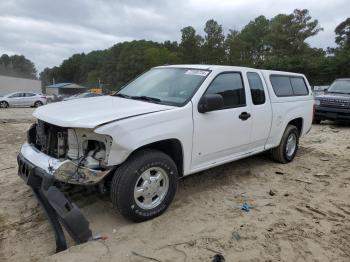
(70, 69)
(342, 32)
(214, 48)
(249, 47)
(155, 56)
(278, 43)
(289, 32)
(171, 46)
(190, 45)
(17, 66)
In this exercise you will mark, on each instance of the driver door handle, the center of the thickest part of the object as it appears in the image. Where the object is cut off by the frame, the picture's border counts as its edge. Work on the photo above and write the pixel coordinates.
(244, 116)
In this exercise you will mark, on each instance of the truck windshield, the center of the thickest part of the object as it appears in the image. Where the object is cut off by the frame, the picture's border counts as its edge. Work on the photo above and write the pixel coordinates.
(172, 86)
(340, 86)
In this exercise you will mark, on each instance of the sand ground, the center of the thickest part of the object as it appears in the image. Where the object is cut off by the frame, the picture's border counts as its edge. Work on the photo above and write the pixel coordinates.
(306, 218)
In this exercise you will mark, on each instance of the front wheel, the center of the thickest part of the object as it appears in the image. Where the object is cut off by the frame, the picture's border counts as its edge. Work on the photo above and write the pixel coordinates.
(288, 146)
(4, 104)
(144, 186)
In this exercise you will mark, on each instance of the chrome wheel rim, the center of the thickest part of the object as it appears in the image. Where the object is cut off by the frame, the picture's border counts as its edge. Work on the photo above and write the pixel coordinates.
(151, 188)
(291, 145)
(3, 105)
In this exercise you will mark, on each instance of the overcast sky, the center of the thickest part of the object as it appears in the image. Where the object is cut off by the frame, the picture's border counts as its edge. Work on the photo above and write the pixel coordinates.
(49, 31)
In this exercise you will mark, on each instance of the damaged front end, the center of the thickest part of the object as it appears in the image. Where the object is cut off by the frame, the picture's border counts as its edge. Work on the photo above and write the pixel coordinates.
(74, 156)
(54, 156)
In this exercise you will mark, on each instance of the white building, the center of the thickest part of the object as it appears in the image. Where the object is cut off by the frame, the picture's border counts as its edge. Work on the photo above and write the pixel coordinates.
(10, 84)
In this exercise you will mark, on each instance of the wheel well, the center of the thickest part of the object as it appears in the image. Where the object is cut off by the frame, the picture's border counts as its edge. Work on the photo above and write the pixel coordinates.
(298, 122)
(171, 147)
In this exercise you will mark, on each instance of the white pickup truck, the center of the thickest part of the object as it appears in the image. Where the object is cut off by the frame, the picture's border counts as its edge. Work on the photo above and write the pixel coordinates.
(170, 122)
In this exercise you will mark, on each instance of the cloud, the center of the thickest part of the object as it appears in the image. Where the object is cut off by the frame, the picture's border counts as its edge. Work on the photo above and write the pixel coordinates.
(47, 32)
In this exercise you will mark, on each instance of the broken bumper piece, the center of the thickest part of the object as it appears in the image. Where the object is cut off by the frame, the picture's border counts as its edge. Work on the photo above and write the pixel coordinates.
(65, 171)
(59, 210)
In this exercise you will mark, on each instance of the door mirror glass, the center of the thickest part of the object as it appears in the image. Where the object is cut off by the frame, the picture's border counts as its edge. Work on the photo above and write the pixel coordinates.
(210, 102)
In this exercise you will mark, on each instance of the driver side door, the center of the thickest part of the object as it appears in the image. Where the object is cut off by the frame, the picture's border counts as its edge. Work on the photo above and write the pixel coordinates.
(221, 135)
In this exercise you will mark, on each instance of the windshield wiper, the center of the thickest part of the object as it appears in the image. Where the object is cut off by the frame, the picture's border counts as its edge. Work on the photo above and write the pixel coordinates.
(121, 95)
(146, 98)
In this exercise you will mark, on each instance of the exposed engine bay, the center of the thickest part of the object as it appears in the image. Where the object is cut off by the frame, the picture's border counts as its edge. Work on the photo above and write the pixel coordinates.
(76, 148)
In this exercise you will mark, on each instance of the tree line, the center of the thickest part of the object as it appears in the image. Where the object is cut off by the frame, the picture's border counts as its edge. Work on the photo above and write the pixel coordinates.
(278, 43)
(17, 66)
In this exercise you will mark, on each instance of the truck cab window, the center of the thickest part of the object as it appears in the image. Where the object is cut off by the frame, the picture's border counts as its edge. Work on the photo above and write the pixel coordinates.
(256, 88)
(230, 87)
(299, 86)
(281, 85)
(288, 85)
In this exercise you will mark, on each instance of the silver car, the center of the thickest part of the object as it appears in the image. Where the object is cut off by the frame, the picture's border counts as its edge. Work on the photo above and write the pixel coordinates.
(22, 99)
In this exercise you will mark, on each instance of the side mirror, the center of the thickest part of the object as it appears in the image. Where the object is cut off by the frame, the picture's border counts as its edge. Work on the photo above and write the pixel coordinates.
(210, 103)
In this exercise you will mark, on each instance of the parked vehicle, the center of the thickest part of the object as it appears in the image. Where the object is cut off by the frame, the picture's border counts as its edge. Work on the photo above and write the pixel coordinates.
(334, 104)
(22, 99)
(168, 123)
(83, 95)
(53, 98)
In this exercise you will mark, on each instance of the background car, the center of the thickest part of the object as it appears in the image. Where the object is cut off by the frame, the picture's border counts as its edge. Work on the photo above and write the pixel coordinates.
(334, 104)
(22, 99)
(83, 95)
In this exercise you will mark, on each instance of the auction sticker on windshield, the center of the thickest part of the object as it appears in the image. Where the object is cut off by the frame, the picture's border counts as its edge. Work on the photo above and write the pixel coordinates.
(197, 72)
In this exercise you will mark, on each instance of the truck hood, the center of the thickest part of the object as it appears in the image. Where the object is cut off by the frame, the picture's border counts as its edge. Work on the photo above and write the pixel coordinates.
(334, 96)
(94, 111)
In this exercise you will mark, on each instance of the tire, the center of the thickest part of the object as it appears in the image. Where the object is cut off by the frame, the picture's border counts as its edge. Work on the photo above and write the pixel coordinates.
(133, 196)
(38, 103)
(4, 104)
(281, 153)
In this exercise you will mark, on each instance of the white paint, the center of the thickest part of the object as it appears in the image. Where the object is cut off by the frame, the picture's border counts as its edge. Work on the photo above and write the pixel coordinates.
(207, 139)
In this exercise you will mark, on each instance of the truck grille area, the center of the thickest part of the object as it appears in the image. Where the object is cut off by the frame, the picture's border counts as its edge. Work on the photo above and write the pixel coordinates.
(49, 139)
(335, 103)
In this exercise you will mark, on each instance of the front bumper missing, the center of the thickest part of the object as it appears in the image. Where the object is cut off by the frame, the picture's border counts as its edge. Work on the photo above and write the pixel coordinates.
(59, 210)
(65, 171)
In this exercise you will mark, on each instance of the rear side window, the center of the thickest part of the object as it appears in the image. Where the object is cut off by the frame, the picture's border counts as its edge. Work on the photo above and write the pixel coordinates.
(29, 94)
(299, 86)
(288, 85)
(256, 88)
(230, 87)
(281, 85)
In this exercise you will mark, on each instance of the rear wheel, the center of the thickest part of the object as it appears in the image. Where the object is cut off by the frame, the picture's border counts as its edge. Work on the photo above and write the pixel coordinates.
(4, 104)
(38, 103)
(144, 186)
(288, 147)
